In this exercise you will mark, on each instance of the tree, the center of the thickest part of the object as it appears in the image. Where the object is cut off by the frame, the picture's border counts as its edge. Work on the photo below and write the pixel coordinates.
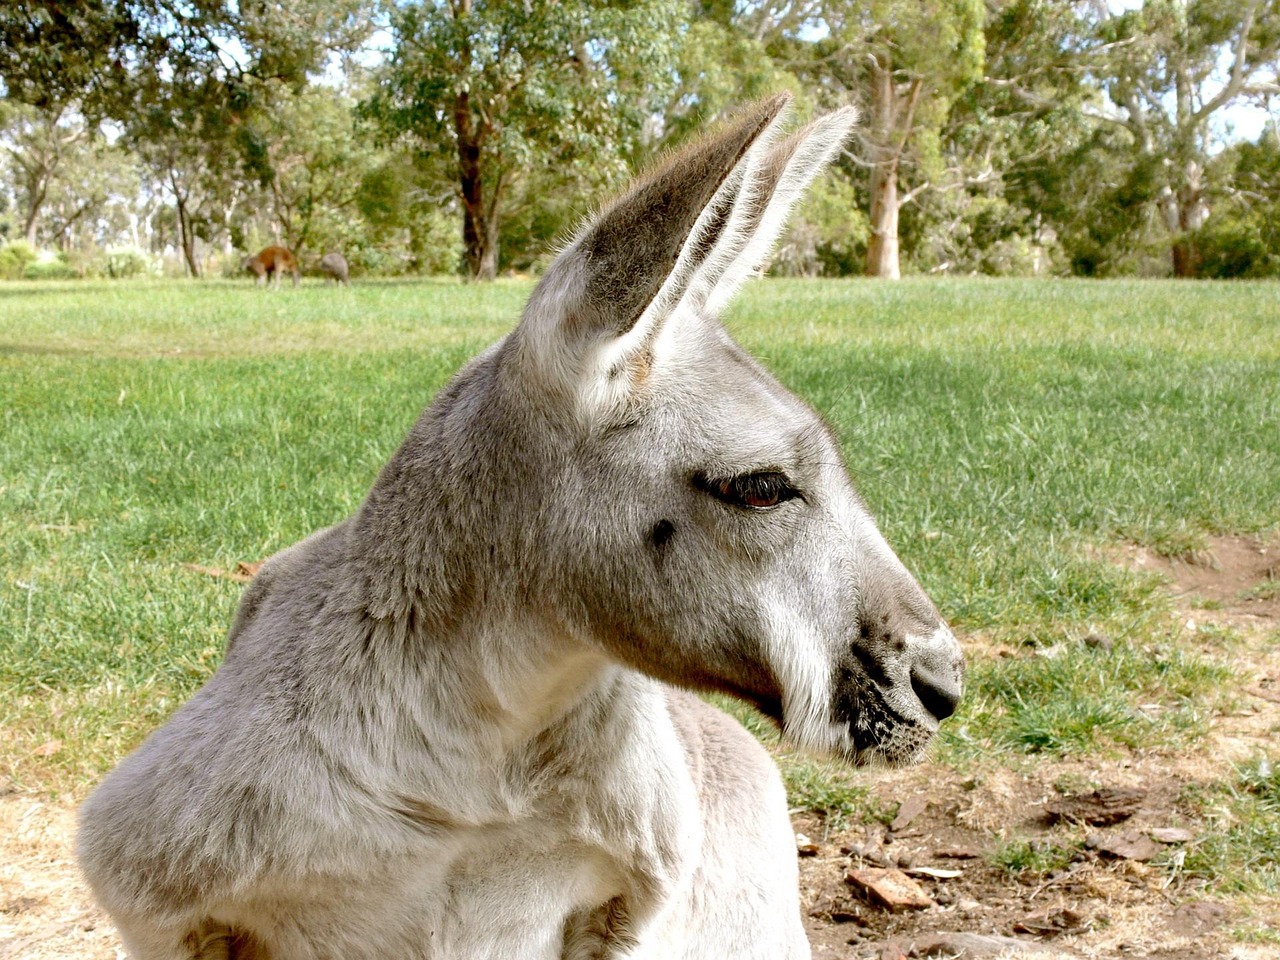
(54, 53)
(1005, 144)
(39, 142)
(1161, 69)
(181, 76)
(311, 161)
(1242, 239)
(504, 88)
(910, 60)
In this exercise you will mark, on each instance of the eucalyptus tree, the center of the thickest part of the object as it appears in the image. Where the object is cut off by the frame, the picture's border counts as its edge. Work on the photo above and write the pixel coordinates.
(39, 144)
(1007, 141)
(500, 89)
(906, 61)
(180, 76)
(309, 160)
(1169, 69)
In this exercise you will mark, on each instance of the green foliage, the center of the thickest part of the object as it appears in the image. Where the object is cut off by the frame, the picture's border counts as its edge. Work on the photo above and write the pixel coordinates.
(126, 263)
(496, 90)
(15, 257)
(828, 234)
(1023, 136)
(56, 269)
(411, 221)
(1242, 236)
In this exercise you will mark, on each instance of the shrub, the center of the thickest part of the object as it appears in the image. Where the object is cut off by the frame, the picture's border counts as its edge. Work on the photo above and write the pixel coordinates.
(57, 269)
(126, 262)
(14, 258)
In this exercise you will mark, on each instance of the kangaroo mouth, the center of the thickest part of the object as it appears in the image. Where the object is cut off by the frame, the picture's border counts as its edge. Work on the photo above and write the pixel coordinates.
(879, 733)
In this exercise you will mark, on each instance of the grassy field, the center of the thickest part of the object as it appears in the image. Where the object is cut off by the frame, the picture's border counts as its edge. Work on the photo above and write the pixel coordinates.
(1008, 434)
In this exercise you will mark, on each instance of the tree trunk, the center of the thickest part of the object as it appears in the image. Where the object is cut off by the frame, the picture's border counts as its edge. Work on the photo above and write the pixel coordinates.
(479, 223)
(882, 249)
(891, 116)
(34, 203)
(1189, 214)
(479, 229)
(186, 238)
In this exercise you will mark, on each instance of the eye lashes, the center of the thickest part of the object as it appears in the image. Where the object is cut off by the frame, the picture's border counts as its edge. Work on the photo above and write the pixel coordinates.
(758, 490)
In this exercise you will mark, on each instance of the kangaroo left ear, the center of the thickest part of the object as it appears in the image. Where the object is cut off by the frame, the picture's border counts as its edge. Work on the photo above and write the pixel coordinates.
(597, 292)
(681, 241)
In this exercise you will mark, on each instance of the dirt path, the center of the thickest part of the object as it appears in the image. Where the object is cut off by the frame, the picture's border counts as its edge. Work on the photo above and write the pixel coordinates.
(1100, 905)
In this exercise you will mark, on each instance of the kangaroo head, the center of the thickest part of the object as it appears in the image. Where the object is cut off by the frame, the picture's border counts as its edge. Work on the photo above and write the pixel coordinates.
(620, 471)
(698, 522)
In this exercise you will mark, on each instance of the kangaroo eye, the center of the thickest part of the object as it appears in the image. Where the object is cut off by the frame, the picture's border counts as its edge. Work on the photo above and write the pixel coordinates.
(761, 490)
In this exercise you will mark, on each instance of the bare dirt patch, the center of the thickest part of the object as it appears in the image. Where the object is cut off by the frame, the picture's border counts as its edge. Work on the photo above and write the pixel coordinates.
(46, 912)
(1113, 895)
(1239, 576)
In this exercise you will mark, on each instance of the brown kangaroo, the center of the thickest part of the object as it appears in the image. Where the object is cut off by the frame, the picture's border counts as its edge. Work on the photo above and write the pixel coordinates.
(270, 262)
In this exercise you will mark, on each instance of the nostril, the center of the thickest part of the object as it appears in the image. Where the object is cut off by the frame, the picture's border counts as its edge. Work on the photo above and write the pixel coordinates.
(940, 695)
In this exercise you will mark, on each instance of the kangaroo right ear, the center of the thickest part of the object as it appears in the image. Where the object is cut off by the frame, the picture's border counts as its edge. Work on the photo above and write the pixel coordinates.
(603, 302)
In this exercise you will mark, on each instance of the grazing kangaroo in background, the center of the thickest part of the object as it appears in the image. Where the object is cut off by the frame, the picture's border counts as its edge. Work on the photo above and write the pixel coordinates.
(335, 265)
(269, 263)
(452, 725)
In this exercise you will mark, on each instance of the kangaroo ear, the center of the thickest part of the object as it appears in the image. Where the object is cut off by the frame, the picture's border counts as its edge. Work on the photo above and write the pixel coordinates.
(605, 298)
(776, 179)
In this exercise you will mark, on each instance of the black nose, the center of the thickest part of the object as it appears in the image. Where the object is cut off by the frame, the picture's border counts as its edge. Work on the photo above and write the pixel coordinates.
(939, 693)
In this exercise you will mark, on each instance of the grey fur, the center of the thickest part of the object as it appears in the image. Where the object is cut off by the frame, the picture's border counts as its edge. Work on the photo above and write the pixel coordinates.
(443, 728)
(334, 265)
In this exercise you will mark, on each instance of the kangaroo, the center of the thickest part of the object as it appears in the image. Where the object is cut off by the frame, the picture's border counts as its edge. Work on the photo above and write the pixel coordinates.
(335, 265)
(269, 263)
(459, 726)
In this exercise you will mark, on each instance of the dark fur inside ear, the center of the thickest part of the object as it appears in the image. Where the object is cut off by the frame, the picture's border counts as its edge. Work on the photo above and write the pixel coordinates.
(632, 246)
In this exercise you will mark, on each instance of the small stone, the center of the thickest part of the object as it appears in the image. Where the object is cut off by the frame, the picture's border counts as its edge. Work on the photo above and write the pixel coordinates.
(889, 888)
(806, 847)
(1098, 808)
(1169, 834)
(968, 907)
(1131, 845)
(1049, 923)
(847, 916)
(1197, 916)
(878, 857)
(910, 808)
(905, 860)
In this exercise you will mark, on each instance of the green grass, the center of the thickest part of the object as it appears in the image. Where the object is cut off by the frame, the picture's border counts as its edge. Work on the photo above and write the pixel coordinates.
(1141, 694)
(1032, 858)
(1000, 430)
(1240, 850)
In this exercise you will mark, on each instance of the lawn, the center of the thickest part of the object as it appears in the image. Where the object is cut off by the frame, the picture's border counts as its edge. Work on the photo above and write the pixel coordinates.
(1010, 435)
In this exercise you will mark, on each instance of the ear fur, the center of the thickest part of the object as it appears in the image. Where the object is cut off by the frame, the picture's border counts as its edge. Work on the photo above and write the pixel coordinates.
(683, 239)
(774, 184)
